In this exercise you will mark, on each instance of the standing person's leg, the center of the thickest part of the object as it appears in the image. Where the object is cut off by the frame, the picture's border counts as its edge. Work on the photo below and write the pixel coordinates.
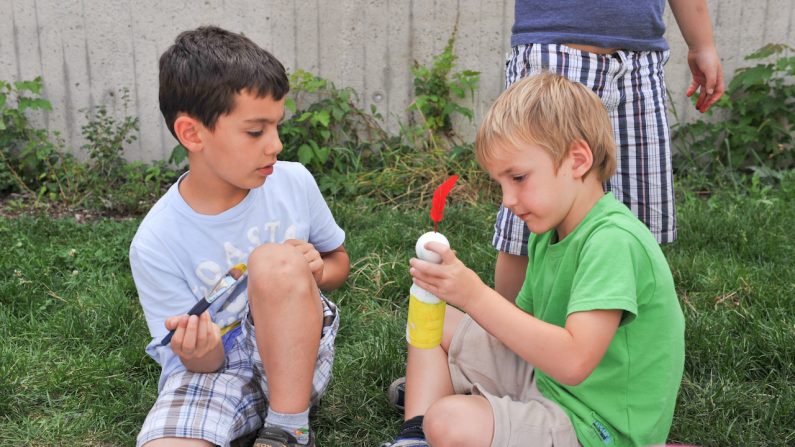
(631, 85)
(510, 233)
(644, 171)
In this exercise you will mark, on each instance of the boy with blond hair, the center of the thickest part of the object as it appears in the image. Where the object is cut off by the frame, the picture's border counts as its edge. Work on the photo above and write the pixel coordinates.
(617, 49)
(265, 356)
(592, 351)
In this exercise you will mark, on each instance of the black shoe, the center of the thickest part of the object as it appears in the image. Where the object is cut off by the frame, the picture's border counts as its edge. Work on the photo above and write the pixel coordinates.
(397, 393)
(278, 437)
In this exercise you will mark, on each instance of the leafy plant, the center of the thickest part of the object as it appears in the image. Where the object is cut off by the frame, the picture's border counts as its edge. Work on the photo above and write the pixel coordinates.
(351, 153)
(347, 147)
(752, 130)
(140, 185)
(438, 92)
(37, 165)
(109, 177)
(106, 137)
(328, 132)
(32, 163)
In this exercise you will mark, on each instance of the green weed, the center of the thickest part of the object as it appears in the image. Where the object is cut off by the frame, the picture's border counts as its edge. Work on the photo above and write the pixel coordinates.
(754, 125)
(36, 165)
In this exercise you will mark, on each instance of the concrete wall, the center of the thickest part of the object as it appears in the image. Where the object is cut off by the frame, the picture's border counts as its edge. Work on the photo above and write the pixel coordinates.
(86, 50)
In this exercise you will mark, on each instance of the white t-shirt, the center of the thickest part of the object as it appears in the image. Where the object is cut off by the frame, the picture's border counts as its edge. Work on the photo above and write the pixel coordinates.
(177, 254)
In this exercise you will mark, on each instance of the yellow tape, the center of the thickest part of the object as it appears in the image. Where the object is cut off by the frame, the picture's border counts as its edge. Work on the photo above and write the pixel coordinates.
(425, 323)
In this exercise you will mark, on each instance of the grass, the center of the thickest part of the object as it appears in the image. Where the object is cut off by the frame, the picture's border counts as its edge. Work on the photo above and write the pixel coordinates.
(73, 370)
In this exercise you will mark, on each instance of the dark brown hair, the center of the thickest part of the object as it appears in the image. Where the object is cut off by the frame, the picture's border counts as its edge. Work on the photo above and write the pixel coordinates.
(205, 69)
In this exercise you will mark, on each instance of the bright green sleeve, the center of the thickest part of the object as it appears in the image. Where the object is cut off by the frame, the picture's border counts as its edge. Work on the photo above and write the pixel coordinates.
(606, 275)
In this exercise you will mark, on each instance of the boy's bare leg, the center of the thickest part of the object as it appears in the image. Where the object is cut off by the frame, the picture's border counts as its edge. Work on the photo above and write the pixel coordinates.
(427, 372)
(287, 313)
(178, 442)
(461, 421)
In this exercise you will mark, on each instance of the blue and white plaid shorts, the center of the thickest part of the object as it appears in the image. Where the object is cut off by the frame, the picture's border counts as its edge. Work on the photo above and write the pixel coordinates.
(223, 406)
(631, 85)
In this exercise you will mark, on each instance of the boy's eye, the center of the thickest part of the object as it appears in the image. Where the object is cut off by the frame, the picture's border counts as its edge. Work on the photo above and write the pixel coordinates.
(255, 133)
(518, 178)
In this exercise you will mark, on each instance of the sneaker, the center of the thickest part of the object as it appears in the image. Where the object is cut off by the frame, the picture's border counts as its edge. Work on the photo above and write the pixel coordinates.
(397, 393)
(277, 437)
(406, 443)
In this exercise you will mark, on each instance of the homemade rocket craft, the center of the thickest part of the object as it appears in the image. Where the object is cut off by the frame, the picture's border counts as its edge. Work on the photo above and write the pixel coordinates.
(426, 311)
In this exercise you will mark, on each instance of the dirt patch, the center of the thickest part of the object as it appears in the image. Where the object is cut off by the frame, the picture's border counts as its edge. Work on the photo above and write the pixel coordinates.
(14, 205)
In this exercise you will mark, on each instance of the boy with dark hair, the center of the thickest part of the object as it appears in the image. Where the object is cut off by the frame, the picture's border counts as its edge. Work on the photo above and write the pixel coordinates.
(267, 352)
(592, 352)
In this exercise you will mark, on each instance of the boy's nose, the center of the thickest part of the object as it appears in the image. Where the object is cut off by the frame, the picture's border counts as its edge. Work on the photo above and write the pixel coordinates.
(508, 199)
(274, 145)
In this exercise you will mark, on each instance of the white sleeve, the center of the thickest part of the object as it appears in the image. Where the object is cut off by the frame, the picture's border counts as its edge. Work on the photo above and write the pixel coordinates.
(324, 233)
(162, 292)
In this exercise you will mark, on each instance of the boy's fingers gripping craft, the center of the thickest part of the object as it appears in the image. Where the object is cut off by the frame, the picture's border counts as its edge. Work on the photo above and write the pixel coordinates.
(451, 280)
(446, 253)
(190, 335)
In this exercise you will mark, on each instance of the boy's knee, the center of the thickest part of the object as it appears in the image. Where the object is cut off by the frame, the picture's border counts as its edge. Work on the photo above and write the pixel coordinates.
(275, 260)
(278, 268)
(440, 423)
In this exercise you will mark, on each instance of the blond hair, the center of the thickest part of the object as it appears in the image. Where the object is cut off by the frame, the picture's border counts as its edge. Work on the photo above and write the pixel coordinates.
(552, 112)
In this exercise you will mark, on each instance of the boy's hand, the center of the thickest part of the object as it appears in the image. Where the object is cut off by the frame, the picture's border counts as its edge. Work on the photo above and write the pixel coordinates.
(451, 280)
(707, 77)
(194, 338)
(312, 256)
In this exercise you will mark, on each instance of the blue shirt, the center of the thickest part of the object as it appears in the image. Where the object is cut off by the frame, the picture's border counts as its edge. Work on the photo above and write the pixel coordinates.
(177, 254)
(635, 25)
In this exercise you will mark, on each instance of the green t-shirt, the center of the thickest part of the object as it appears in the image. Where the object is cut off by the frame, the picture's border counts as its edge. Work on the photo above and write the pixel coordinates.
(611, 261)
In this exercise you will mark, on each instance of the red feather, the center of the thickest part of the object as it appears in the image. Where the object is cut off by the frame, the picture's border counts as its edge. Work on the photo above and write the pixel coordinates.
(439, 198)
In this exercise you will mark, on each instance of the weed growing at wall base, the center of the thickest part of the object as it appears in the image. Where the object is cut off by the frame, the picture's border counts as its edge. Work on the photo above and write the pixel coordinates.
(352, 154)
(756, 129)
(30, 162)
(36, 165)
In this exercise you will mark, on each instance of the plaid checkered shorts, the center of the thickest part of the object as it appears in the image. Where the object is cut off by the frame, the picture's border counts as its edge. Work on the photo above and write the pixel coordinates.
(631, 85)
(223, 406)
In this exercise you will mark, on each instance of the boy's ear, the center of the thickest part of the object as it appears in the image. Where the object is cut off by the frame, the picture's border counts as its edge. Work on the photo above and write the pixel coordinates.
(581, 158)
(187, 130)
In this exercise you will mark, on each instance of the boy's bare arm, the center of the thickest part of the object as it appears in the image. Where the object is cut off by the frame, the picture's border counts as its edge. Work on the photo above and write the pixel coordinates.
(335, 269)
(692, 17)
(197, 342)
(568, 354)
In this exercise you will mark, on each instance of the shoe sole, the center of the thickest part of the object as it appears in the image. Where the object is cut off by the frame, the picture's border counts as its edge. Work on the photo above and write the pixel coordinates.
(397, 392)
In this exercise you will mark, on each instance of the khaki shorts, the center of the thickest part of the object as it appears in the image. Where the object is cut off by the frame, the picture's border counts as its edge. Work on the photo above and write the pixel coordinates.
(481, 365)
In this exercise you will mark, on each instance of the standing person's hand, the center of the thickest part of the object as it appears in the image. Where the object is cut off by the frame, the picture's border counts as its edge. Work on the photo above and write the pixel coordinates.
(707, 77)
(692, 16)
(312, 257)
